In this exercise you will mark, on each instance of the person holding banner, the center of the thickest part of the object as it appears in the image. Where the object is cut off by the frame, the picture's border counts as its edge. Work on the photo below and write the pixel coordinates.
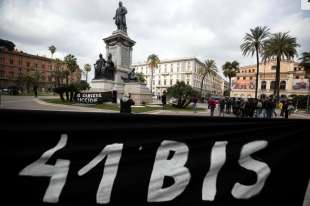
(126, 103)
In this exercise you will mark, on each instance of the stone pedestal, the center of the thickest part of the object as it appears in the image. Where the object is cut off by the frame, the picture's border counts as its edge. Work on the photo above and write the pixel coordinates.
(139, 92)
(120, 46)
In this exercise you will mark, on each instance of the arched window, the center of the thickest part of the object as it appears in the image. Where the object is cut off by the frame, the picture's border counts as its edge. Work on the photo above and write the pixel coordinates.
(264, 85)
(272, 85)
(283, 85)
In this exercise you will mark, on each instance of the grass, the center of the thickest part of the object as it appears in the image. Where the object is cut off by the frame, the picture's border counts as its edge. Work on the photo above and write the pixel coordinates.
(57, 101)
(115, 107)
(39, 94)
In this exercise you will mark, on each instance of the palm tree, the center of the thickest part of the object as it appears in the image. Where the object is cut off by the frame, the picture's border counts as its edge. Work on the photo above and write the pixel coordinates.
(208, 68)
(87, 68)
(305, 62)
(280, 46)
(230, 69)
(71, 62)
(152, 62)
(253, 43)
(52, 49)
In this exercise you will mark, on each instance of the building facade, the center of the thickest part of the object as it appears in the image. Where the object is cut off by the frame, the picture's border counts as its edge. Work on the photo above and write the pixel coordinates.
(169, 72)
(292, 80)
(14, 64)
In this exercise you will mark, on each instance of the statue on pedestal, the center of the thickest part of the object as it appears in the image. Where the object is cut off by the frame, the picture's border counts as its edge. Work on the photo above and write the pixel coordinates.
(104, 69)
(131, 77)
(120, 18)
(99, 67)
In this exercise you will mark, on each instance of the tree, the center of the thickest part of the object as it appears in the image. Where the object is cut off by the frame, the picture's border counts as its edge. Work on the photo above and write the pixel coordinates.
(230, 70)
(253, 43)
(140, 77)
(52, 49)
(152, 62)
(183, 93)
(208, 68)
(280, 46)
(305, 62)
(87, 68)
(71, 62)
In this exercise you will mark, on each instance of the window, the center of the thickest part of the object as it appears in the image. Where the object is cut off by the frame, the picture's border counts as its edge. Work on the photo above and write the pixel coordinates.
(295, 68)
(2, 73)
(36, 65)
(158, 82)
(164, 82)
(20, 62)
(244, 78)
(297, 77)
(238, 78)
(272, 85)
(28, 64)
(11, 75)
(264, 85)
(187, 81)
(273, 67)
(11, 61)
(282, 85)
(19, 70)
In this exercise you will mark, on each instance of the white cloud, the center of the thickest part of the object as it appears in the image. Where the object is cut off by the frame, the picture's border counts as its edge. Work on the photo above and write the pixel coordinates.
(171, 29)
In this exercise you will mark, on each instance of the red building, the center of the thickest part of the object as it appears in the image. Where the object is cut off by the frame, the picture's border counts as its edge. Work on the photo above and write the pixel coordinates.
(14, 64)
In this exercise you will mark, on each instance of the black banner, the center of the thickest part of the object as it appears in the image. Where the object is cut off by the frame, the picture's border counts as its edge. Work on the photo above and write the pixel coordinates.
(66, 158)
(93, 97)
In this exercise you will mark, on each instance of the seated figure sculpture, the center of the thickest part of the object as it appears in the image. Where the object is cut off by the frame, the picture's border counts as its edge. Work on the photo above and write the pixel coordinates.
(104, 69)
(131, 76)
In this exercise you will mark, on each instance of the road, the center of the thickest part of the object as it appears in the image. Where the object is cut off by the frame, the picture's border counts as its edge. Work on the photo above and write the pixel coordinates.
(32, 103)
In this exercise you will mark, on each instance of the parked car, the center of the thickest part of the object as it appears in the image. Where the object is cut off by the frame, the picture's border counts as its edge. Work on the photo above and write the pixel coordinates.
(13, 90)
(4, 91)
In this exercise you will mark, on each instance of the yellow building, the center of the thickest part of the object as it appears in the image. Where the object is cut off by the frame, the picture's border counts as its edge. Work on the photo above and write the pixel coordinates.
(292, 80)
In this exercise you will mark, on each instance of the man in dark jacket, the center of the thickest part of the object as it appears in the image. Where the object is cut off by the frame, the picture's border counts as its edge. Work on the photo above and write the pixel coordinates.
(164, 99)
(126, 103)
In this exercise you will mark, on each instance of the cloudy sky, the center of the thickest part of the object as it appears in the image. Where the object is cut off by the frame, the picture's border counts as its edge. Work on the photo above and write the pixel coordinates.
(169, 28)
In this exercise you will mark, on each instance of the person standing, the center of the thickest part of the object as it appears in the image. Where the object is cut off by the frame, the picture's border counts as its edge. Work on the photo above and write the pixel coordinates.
(212, 105)
(222, 107)
(126, 103)
(35, 90)
(164, 99)
(194, 100)
(259, 107)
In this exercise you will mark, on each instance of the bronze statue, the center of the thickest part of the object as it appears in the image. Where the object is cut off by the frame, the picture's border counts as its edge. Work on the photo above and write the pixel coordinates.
(104, 69)
(99, 67)
(131, 77)
(109, 70)
(120, 18)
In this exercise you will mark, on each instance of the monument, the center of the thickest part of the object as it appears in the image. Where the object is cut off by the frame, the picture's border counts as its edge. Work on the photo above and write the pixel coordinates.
(115, 74)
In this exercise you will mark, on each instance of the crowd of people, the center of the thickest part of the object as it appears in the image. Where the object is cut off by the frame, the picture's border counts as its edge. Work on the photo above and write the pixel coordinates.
(259, 108)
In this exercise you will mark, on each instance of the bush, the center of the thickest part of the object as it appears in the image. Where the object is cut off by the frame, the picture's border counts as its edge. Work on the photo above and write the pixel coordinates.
(299, 101)
(71, 90)
(183, 93)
